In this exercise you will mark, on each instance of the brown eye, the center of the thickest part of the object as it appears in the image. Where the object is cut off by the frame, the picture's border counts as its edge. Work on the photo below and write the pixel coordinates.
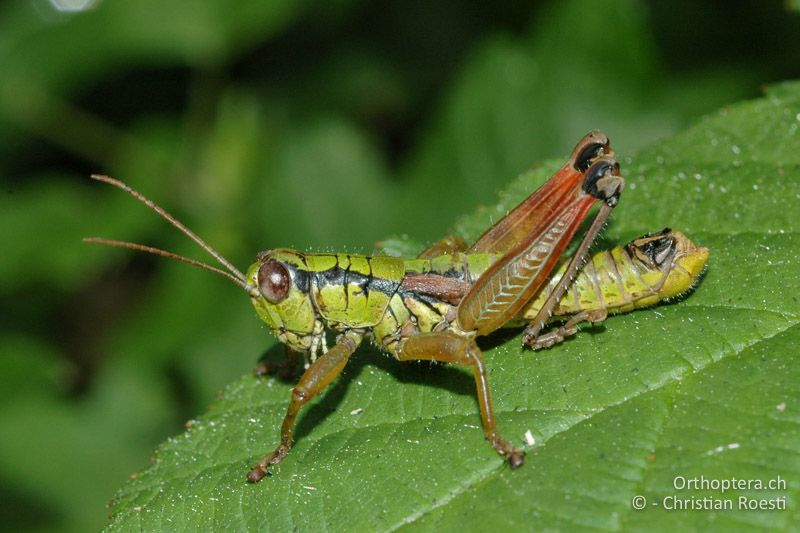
(274, 281)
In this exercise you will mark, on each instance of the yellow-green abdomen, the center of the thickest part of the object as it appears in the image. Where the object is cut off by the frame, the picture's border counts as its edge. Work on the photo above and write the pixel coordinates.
(642, 273)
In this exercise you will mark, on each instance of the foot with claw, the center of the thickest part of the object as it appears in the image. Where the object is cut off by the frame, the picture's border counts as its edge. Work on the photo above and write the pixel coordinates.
(261, 468)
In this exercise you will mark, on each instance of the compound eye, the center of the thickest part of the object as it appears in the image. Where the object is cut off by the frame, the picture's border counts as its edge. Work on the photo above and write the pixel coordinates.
(274, 281)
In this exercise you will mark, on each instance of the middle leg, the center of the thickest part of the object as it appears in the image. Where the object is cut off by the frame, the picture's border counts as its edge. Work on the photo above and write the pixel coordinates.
(451, 348)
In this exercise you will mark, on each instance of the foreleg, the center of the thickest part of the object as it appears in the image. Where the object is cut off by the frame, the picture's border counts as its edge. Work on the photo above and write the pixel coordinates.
(313, 381)
(284, 369)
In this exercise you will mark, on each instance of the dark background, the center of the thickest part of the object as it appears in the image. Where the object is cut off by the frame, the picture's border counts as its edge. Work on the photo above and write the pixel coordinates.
(321, 126)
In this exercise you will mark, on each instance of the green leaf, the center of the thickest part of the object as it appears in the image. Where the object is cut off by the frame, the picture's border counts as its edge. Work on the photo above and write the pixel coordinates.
(709, 386)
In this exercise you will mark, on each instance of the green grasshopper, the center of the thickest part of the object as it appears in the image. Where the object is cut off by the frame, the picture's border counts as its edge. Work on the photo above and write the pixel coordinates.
(434, 307)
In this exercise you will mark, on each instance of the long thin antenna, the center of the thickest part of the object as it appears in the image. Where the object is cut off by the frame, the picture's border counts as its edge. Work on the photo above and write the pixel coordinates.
(172, 220)
(157, 251)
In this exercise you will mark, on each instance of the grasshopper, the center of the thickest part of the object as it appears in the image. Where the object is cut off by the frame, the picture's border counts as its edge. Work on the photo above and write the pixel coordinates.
(434, 307)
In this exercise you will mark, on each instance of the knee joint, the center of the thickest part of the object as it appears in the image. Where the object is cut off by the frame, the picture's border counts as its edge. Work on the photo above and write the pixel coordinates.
(299, 394)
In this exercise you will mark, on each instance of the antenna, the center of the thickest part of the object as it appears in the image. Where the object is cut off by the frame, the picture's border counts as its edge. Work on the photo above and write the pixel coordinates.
(235, 275)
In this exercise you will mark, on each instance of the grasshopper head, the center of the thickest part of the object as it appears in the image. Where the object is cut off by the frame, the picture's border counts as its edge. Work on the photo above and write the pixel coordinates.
(283, 300)
(668, 259)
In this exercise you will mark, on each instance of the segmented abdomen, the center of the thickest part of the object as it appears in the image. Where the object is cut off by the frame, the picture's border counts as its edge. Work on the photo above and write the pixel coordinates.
(610, 281)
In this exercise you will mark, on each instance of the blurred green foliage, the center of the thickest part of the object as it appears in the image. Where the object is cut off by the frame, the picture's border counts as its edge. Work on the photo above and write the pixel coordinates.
(317, 126)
